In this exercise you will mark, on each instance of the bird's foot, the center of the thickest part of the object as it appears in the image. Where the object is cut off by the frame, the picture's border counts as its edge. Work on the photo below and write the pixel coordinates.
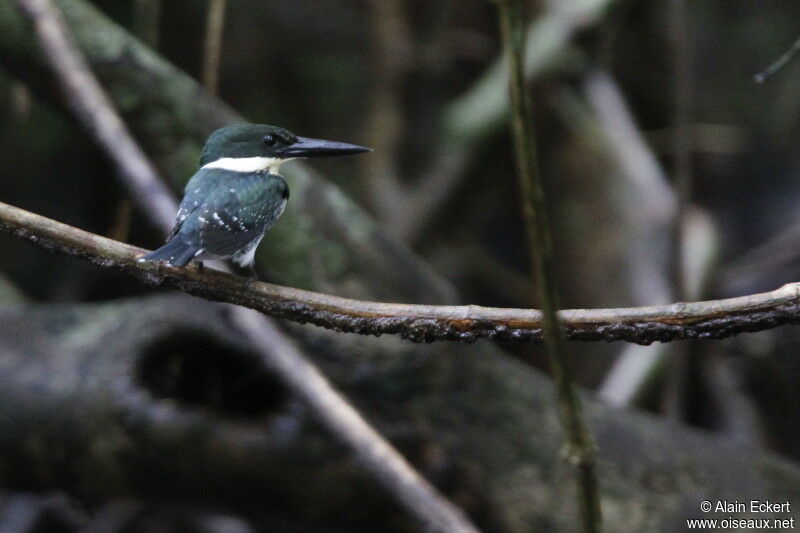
(200, 266)
(252, 276)
(251, 272)
(248, 272)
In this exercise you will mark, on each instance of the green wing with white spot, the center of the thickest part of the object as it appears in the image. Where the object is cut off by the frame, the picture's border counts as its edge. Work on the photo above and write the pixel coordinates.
(204, 182)
(235, 211)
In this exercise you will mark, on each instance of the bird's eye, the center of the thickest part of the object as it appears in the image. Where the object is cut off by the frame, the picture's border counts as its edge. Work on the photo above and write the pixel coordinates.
(269, 140)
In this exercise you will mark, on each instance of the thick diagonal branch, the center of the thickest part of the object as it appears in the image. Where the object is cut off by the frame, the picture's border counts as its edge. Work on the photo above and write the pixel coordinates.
(85, 97)
(94, 110)
(713, 319)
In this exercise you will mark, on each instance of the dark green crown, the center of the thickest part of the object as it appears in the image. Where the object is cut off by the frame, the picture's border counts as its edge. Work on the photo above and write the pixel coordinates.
(246, 140)
(260, 140)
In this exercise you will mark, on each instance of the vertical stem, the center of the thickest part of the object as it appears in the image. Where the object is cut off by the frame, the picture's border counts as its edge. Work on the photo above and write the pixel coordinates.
(146, 20)
(215, 23)
(579, 444)
(390, 58)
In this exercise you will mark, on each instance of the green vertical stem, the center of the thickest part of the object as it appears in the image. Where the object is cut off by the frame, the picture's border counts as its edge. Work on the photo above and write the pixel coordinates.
(580, 449)
(146, 21)
(215, 24)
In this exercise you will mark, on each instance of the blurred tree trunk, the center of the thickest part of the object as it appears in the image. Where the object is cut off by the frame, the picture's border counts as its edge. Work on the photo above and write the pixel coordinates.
(159, 398)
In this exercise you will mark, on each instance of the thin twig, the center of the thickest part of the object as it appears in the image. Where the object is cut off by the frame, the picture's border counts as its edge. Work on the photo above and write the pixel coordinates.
(380, 459)
(713, 319)
(147, 21)
(391, 50)
(781, 62)
(215, 24)
(580, 446)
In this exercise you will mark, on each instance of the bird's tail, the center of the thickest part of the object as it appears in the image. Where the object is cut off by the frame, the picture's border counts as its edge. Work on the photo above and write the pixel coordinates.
(175, 252)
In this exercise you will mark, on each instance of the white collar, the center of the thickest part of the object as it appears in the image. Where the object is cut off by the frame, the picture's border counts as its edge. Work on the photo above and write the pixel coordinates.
(247, 164)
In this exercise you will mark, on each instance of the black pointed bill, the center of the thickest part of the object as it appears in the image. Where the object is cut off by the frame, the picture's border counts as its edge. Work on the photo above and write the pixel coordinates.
(305, 147)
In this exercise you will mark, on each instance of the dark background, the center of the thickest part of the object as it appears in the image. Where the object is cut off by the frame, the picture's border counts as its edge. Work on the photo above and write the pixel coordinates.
(392, 75)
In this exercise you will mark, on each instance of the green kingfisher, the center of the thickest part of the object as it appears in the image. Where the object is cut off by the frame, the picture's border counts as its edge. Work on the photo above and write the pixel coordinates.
(237, 194)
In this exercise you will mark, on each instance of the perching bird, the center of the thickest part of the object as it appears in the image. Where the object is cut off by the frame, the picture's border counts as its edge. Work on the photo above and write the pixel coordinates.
(237, 194)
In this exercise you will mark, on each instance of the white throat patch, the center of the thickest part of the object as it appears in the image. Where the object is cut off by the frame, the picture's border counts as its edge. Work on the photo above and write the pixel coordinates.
(248, 164)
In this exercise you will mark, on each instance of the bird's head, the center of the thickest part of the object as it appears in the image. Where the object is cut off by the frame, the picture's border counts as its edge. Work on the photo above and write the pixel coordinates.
(257, 147)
